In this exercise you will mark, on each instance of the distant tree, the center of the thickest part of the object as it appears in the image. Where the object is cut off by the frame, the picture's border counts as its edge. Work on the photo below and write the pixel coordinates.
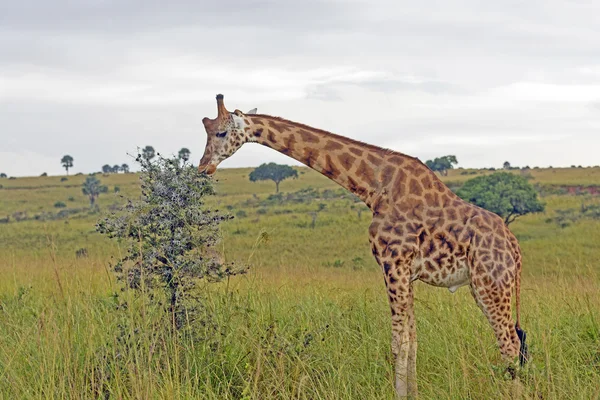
(442, 164)
(44, 174)
(148, 153)
(92, 188)
(506, 165)
(508, 195)
(125, 168)
(67, 162)
(107, 169)
(273, 172)
(3, 175)
(116, 169)
(184, 154)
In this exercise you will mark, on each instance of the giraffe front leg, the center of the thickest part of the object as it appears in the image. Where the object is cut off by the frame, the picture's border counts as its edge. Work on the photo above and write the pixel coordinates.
(395, 257)
(403, 332)
(412, 352)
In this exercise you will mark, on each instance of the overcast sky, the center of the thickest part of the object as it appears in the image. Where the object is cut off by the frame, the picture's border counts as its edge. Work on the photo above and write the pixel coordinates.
(486, 81)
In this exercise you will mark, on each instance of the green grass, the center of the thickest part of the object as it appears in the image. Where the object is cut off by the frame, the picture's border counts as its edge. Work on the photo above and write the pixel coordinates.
(310, 320)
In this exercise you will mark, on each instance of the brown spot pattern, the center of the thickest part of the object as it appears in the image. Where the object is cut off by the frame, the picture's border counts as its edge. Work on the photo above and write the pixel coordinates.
(374, 160)
(308, 137)
(346, 160)
(415, 188)
(366, 173)
(386, 175)
(330, 170)
(356, 151)
(416, 217)
(333, 146)
(310, 156)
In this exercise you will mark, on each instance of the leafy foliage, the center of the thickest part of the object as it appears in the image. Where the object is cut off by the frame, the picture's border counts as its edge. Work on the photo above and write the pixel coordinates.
(442, 164)
(107, 169)
(67, 162)
(148, 153)
(92, 188)
(274, 172)
(125, 168)
(3, 175)
(184, 154)
(503, 193)
(169, 233)
(569, 216)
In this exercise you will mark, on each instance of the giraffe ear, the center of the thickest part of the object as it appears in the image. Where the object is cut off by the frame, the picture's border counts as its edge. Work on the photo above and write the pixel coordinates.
(253, 111)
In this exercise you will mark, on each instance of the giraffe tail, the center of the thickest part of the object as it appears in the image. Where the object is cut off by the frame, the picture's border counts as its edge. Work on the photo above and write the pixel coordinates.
(523, 351)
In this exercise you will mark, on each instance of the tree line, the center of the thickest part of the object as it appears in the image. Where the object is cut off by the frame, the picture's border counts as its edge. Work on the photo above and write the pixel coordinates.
(508, 195)
(148, 152)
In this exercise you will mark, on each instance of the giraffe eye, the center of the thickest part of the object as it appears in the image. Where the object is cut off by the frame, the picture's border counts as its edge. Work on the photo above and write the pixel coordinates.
(221, 134)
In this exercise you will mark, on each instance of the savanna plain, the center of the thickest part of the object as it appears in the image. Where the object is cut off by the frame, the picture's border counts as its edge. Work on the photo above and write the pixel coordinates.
(310, 318)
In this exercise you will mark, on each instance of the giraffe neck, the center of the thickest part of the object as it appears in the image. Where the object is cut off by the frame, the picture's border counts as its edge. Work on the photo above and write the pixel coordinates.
(361, 168)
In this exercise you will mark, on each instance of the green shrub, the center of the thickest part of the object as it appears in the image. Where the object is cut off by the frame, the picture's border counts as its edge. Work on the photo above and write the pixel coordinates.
(241, 214)
(508, 195)
(59, 204)
(168, 234)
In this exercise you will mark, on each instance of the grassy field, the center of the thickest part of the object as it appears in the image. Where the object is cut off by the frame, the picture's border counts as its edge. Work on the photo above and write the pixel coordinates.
(309, 321)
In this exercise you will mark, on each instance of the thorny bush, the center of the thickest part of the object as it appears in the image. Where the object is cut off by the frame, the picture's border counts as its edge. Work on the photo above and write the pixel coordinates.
(169, 234)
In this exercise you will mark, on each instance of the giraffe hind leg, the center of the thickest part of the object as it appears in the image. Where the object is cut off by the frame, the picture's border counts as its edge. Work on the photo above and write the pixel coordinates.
(494, 300)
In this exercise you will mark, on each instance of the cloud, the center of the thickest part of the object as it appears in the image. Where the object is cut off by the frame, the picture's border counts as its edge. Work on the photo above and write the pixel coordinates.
(547, 92)
(482, 80)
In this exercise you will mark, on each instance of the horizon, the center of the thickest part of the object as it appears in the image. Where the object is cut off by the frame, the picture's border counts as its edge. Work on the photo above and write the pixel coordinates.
(457, 167)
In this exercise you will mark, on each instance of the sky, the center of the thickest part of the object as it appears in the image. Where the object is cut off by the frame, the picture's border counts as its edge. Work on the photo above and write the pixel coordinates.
(486, 81)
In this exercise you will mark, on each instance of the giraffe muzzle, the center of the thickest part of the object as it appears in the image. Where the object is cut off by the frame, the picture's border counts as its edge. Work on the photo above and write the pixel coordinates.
(208, 169)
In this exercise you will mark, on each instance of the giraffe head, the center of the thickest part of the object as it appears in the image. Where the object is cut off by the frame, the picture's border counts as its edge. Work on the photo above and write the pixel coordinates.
(226, 135)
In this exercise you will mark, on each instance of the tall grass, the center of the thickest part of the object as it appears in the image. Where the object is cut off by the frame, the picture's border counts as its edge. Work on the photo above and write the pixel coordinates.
(309, 321)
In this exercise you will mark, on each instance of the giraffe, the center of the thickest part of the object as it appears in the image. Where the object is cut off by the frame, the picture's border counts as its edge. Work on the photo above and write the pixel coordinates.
(420, 230)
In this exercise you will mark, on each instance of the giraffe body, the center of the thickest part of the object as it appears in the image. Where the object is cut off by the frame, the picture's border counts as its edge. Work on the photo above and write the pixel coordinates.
(420, 229)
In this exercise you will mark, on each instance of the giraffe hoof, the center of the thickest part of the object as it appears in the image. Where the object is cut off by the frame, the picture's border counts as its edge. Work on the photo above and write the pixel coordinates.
(511, 371)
